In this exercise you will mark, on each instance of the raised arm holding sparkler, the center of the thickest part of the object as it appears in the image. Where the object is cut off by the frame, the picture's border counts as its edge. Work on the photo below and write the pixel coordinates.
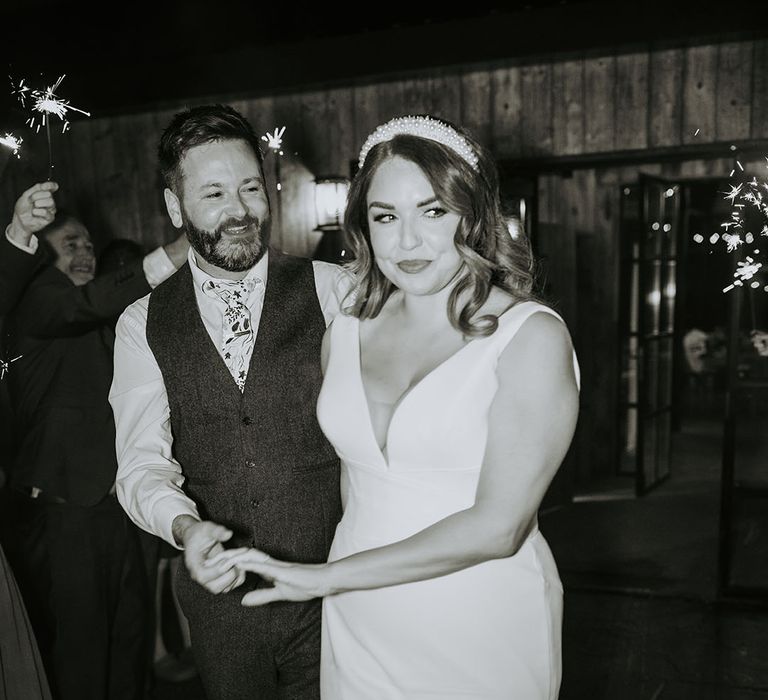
(34, 210)
(19, 256)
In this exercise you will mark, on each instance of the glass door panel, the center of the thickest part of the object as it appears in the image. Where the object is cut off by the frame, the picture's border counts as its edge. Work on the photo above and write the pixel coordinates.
(649, 220)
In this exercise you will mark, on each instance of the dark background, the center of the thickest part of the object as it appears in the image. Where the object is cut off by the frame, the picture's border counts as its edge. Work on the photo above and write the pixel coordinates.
(123, 57)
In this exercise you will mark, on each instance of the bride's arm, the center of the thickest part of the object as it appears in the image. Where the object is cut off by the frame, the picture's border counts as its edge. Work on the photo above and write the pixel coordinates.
(531, 424)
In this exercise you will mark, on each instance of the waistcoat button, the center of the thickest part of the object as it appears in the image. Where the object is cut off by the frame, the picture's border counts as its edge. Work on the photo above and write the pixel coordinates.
(247, 420)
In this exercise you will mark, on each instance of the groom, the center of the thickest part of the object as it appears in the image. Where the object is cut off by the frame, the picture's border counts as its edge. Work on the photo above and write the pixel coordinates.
(217, 373)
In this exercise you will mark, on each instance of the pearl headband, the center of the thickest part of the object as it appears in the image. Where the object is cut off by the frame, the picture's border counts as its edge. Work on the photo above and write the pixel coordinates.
(425, 128)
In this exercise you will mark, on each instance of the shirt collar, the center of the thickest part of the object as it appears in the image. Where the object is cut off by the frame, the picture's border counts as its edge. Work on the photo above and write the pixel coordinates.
(258, 271)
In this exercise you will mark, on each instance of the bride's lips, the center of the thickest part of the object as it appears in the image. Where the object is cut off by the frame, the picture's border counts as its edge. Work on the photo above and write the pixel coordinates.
(413, 266)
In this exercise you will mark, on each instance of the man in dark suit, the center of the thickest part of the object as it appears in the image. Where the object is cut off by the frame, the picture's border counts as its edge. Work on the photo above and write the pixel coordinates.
(20, 257)
(216, 378)
(21, 667)
(74, 552)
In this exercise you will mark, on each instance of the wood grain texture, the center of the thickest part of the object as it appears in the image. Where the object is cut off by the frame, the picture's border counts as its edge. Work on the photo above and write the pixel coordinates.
(506, 105)
(476, 104)
(445, 90)
(699, 88)
(536, 119)
(665, 105)
(759, 116)
(734, 91)
(631, 112)
(568, 108)
(599, 103)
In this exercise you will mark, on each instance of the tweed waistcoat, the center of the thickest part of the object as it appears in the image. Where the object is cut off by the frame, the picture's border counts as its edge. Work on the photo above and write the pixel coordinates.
(254, 461)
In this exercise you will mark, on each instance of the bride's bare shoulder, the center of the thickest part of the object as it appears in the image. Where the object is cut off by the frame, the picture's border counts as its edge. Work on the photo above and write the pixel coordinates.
(498, 302)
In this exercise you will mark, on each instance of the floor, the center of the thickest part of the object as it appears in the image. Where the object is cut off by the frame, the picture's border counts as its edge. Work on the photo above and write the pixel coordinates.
(643, 616)
(643, 619)
(623, 647)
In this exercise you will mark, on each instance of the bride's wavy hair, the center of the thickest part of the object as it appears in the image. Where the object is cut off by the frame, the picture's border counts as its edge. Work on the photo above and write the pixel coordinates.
(491, 256)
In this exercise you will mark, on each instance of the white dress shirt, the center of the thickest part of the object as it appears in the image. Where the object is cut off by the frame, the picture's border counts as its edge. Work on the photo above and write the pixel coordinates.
(30, 248)
(149, 479)
(157, 267)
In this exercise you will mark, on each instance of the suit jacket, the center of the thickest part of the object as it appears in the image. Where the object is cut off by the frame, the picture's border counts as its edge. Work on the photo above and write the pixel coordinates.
(60, 386)
(16, 269)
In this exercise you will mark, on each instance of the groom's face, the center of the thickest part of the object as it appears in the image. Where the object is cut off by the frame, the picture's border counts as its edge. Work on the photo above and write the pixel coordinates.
(222, 204)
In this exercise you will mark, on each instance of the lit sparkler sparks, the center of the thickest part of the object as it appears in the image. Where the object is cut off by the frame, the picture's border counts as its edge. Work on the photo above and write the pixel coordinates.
(5, 366)
(740, 229)
(745, 271)
(735, 190)
(45, 105)
(20, 90)
(48, 103)
(274, 140)
(732, 240)
(275, 143)
(12, 142)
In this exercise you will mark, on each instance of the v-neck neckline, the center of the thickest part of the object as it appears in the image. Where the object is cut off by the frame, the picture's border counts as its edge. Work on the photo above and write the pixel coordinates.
(383, 451)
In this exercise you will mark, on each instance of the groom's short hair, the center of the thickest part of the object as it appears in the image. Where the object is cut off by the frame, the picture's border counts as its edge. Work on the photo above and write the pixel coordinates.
(197, 126)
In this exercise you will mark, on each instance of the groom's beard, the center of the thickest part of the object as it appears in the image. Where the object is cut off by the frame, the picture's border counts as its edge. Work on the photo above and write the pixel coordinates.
(234, 253)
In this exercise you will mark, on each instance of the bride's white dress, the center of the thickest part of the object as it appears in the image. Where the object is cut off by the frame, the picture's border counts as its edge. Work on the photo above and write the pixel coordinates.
(491, 631)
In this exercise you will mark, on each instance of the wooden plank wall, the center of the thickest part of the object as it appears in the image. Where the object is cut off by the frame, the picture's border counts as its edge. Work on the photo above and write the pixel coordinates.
(581, 105)
(557, 107)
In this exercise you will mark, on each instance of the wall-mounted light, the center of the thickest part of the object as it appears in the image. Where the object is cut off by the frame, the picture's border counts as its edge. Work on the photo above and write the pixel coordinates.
(330, 201)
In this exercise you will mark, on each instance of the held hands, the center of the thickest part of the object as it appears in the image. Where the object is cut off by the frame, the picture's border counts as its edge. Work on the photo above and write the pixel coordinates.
(295, 582)
(202, 543)
(34, 210)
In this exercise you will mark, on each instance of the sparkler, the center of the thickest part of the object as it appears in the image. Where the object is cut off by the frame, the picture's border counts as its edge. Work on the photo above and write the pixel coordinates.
(747, 195)
(12, 142)
(732, 240)
(5, 366)
(20, 90)
(735, 189)
(274, 142)
(46, 104)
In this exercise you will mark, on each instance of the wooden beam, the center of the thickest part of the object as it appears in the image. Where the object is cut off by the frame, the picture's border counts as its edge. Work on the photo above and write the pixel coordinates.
(725, 149)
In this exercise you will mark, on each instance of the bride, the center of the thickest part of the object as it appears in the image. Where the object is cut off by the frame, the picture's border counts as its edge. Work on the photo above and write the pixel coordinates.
(451, 397)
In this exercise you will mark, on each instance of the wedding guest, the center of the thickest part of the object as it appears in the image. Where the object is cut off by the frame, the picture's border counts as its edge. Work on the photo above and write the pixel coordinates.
(21, 667)
(74, 552)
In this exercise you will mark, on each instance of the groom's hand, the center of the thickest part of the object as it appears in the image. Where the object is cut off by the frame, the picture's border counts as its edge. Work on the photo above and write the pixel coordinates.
(202, 541)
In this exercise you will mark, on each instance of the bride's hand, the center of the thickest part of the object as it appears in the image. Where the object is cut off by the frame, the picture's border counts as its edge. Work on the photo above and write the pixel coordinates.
(296, 582)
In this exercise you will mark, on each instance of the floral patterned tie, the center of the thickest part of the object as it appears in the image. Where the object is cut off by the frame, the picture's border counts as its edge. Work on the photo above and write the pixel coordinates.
(237, 334)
